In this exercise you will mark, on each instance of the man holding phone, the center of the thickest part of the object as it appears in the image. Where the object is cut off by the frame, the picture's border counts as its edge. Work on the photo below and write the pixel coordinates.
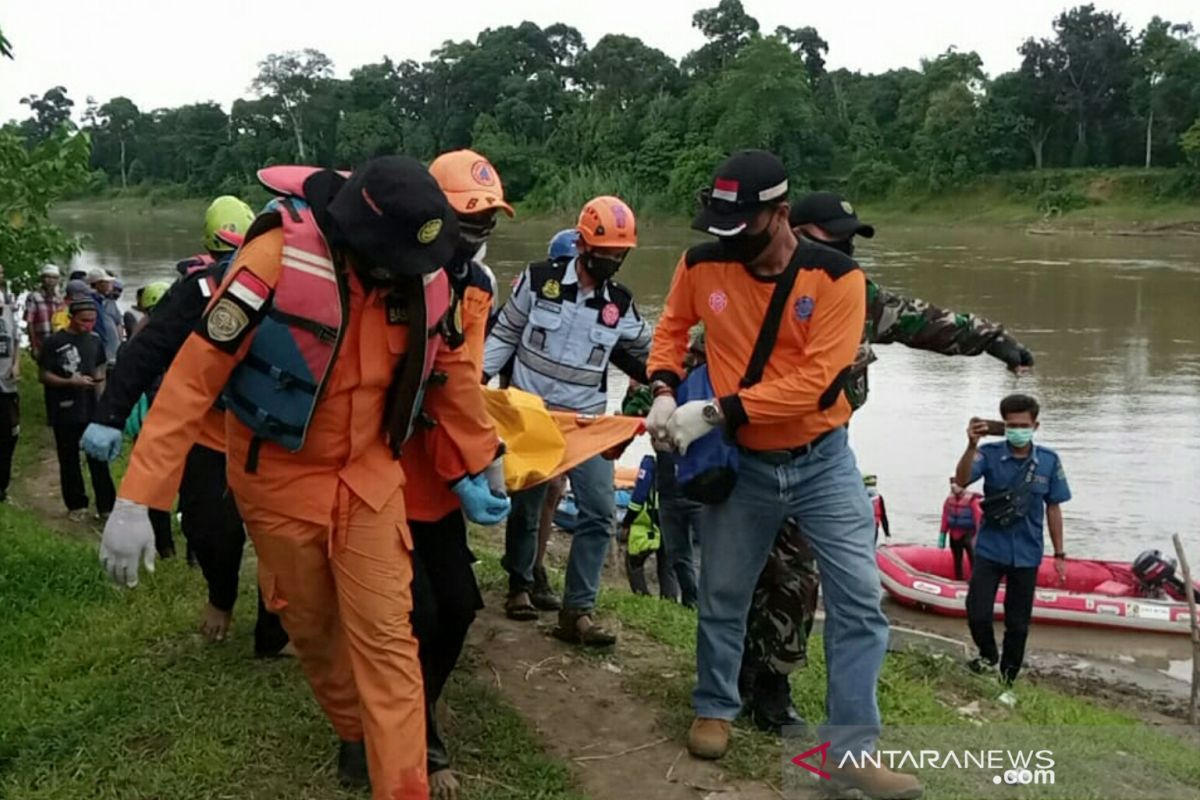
(1023, 485)
(72, 366)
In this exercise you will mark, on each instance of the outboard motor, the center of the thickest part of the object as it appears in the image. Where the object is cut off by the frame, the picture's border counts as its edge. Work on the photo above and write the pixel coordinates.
(1156, 573)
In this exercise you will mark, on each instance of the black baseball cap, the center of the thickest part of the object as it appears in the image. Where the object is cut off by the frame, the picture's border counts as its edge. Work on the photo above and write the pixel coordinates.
(831, 212)
(744, 184)
(390, 211)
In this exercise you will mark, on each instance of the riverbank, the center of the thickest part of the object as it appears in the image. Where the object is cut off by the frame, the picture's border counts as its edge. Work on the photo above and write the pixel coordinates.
(1101, 201)
(1154, 201)
(113, 693)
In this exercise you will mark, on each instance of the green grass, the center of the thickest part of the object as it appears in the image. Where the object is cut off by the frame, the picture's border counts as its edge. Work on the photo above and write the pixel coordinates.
(108, 693)
(1085, 199)
(919, 694)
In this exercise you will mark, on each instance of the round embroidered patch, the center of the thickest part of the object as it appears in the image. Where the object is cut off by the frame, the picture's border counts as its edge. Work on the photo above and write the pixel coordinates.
(429, 231)
(226, 321)
(483, 173)
(804, 308)
(717, 301)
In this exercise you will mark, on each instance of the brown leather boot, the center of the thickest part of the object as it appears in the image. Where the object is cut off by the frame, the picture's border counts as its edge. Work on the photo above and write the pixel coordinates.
(708, 738)
(876, 783)
(575, 626)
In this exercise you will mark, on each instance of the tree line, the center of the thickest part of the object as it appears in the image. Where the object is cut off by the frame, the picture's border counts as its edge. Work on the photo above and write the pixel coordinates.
(564, 120)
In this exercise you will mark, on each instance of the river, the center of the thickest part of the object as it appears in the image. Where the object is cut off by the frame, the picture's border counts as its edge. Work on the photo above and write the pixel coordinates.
(1113, 322)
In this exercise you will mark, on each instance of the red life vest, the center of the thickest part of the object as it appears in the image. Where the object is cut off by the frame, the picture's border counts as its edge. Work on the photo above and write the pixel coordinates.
(275, 388)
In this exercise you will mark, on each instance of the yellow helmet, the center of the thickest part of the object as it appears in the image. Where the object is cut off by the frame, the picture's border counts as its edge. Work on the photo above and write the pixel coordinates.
(152, 293)
(229, 214)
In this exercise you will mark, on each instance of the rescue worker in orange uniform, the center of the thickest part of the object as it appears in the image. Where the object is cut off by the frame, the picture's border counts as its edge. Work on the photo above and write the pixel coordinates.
(326, 340)
(445, 593)
(783, 401)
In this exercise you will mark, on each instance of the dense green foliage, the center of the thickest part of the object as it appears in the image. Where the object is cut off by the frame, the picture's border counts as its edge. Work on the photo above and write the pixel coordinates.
(564, 120)
(35, 171)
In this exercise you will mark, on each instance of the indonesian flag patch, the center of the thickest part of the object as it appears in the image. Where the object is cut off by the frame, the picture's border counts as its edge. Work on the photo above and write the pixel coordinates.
(725, 189)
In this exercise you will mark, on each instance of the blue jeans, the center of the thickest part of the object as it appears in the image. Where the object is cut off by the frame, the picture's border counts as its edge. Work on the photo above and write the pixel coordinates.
(521, 538)
(679, 519)
(592, 485)
(824, 491)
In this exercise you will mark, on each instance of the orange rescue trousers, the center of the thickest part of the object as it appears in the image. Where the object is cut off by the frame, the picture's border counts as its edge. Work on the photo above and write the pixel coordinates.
(344, 593)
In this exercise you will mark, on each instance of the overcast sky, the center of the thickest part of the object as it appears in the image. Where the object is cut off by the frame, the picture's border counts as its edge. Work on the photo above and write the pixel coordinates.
(169, 52)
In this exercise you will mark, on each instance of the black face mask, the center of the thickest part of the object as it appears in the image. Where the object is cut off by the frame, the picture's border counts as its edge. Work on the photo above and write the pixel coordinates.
(474, 231)
(464, 251)
(745, 247)
(842, 246)
(601, 268)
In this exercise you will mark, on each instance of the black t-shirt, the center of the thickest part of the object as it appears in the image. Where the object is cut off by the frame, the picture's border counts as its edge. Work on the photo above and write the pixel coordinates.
(67, 354)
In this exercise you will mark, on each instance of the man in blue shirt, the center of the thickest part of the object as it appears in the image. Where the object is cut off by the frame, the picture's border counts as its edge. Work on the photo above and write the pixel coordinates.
(1023, 484)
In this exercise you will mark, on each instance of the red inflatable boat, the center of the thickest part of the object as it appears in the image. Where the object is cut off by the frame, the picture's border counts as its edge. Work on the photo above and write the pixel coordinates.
(1103, 594)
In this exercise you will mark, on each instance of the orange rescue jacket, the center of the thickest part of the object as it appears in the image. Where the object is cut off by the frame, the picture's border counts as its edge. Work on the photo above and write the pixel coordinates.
(800, 396)
(345, 442)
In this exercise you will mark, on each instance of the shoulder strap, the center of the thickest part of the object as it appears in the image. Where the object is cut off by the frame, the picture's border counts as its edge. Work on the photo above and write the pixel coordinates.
(769, 332)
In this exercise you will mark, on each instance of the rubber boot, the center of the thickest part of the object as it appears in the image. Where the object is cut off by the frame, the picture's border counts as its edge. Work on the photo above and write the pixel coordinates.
(771, 707)
(352, 765)
(543, 596)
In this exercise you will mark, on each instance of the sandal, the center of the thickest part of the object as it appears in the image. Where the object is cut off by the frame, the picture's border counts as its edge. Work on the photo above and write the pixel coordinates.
(519, 607)
(575, 626)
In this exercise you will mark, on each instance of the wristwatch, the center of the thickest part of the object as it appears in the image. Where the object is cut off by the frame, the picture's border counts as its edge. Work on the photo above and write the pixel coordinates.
(712, 414)
(1061, 555)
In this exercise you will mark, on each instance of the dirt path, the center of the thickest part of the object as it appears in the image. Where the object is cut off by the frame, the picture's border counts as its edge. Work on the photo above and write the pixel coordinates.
(36, 488)
(617, 745)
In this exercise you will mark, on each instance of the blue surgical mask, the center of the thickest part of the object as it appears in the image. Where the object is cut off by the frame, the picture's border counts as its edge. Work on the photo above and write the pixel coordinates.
(1019, 437)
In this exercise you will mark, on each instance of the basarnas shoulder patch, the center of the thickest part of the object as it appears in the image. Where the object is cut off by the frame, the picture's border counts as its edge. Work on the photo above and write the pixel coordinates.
(238, 308)
(226, 321)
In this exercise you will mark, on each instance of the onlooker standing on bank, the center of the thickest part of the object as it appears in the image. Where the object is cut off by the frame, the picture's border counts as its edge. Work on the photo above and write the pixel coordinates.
(1023, 484)
(110, 327)
(10, 374)
(72, 370)
(40, 307)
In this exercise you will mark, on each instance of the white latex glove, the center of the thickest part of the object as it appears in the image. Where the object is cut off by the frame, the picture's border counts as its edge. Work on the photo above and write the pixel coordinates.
(128, 538)
(495, 477)
(688, 424)
(656, 421)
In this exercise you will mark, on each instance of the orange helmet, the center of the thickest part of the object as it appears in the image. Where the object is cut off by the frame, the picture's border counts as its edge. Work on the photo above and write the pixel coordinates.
(470, 182)
(607, 222)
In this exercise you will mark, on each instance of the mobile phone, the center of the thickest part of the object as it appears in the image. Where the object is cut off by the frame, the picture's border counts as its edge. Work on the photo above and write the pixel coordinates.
(995, 427)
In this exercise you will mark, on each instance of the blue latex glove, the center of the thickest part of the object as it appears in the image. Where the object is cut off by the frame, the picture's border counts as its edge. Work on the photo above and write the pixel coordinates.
(102, 442)
(481, 505)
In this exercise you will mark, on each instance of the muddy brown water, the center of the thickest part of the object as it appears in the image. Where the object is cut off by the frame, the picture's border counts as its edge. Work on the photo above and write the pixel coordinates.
(1113, 321)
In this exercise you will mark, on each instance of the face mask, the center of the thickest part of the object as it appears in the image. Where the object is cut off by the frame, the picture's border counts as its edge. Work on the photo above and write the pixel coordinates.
(843, 246)
(474, 231)
(746, 247)
(1019, 437)
(601, 268)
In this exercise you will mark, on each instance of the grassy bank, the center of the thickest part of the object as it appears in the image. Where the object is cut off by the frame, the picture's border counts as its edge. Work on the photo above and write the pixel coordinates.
(925, 700)
(110, 693)
(1101, 199)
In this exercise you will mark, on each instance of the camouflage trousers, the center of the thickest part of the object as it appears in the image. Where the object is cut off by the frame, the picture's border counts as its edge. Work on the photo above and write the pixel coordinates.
(784, 606)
